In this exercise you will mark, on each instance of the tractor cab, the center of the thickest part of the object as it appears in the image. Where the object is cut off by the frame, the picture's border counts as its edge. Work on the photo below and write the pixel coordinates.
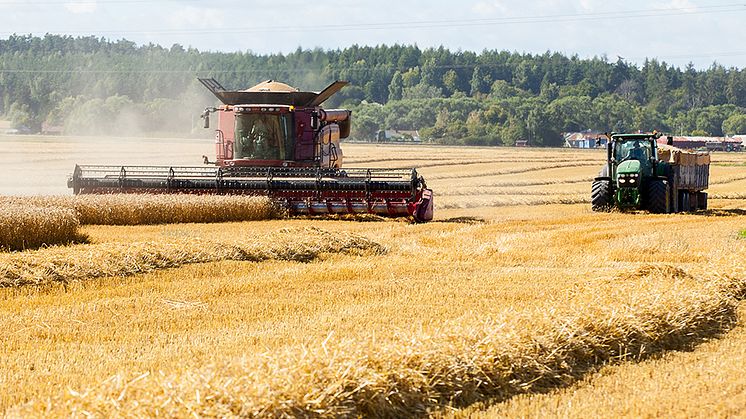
(634, 155)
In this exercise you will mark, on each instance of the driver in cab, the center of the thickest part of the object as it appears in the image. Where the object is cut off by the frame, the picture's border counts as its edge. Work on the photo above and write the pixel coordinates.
(260, 140)
(636, 153)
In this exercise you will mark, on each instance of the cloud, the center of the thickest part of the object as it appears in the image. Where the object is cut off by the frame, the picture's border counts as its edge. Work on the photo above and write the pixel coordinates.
(196, 17)
(490, 7)
(682, 4)
(588, 5)
(78, 7)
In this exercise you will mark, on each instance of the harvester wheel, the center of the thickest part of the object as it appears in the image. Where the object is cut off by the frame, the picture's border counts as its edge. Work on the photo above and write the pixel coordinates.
(658, 198)
(601, 195)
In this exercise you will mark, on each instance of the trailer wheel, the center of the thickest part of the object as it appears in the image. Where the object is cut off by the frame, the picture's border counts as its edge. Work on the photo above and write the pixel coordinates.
(702, 200)
(658, 197)
(684, 201)
(693, 201)
(601, 195)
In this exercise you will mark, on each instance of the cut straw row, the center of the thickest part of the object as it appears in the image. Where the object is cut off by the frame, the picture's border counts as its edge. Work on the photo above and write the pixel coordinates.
(80, 263)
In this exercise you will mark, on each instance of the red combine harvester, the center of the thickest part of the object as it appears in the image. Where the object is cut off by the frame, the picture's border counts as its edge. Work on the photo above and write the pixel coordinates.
(273, 140)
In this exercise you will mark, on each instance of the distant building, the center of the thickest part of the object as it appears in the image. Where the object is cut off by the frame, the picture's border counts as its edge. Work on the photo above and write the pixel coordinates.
(48, 129)
(400, 136)
(742, 139)
(585, 139)
(521, 143)
(708, 143)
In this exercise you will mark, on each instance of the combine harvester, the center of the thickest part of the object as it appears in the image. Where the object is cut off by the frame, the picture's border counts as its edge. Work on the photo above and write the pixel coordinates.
(641, 174)
(273, 140)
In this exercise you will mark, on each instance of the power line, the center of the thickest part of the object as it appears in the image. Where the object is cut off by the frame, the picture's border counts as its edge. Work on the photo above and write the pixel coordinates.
(428, 24)
(87, 2)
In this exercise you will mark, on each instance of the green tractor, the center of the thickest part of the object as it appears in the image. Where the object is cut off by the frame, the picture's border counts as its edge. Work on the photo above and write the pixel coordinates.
(638, 176)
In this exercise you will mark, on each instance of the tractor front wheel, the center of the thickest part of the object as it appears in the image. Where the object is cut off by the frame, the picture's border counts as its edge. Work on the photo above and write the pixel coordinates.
(658, 197)
(601, 195)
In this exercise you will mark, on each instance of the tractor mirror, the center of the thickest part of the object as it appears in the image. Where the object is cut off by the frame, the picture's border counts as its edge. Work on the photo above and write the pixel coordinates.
(314, 121)
(609, 151)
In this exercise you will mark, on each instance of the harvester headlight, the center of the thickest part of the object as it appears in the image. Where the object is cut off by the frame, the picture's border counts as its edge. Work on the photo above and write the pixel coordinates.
(632, 180)
(622, 180)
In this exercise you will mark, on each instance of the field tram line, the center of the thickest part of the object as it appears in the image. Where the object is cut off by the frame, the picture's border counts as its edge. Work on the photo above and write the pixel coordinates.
(544, 182)
(512, 171)
(449, 163)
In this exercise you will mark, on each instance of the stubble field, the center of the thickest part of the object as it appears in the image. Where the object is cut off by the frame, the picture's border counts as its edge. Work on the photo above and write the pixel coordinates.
(517, 300)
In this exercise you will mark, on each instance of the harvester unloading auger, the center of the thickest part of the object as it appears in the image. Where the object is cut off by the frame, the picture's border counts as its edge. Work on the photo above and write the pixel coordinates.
(273, 140)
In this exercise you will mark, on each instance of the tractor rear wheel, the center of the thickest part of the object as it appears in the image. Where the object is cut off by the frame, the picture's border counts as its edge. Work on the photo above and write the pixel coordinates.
(601, 195)
(658, 197)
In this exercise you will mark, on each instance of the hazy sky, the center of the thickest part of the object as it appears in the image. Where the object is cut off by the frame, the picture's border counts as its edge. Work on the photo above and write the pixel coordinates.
(677, 31)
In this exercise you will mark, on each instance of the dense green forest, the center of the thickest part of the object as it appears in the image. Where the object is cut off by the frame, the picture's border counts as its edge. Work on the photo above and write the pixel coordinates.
(91, 85)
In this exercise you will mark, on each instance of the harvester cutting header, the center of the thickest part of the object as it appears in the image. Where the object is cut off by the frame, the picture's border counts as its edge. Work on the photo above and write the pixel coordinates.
(277, 141)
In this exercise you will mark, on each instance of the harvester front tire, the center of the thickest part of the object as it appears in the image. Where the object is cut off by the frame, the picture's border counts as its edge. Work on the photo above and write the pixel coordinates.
(601, 195)
(658, 197)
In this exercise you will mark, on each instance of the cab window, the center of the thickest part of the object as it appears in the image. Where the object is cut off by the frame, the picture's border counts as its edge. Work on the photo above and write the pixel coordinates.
(261, 136)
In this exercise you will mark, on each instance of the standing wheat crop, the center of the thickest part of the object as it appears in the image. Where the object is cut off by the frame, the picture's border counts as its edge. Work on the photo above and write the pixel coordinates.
(29, 227)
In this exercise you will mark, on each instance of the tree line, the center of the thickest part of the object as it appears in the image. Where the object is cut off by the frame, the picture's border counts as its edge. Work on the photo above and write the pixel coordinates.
(90, 85)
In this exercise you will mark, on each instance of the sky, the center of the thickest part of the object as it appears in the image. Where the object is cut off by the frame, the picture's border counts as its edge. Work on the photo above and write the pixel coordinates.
(675, 31)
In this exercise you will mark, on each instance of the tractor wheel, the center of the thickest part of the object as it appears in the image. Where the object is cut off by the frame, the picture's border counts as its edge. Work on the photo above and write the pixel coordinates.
(601, 195)
(658, 198)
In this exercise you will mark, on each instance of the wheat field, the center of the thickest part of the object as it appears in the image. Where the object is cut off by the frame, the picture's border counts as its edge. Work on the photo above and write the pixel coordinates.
(516, 300)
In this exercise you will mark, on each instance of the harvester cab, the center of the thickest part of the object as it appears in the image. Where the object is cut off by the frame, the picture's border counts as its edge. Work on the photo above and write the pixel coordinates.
(636, 176)
(273, 124)
(277, 141)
